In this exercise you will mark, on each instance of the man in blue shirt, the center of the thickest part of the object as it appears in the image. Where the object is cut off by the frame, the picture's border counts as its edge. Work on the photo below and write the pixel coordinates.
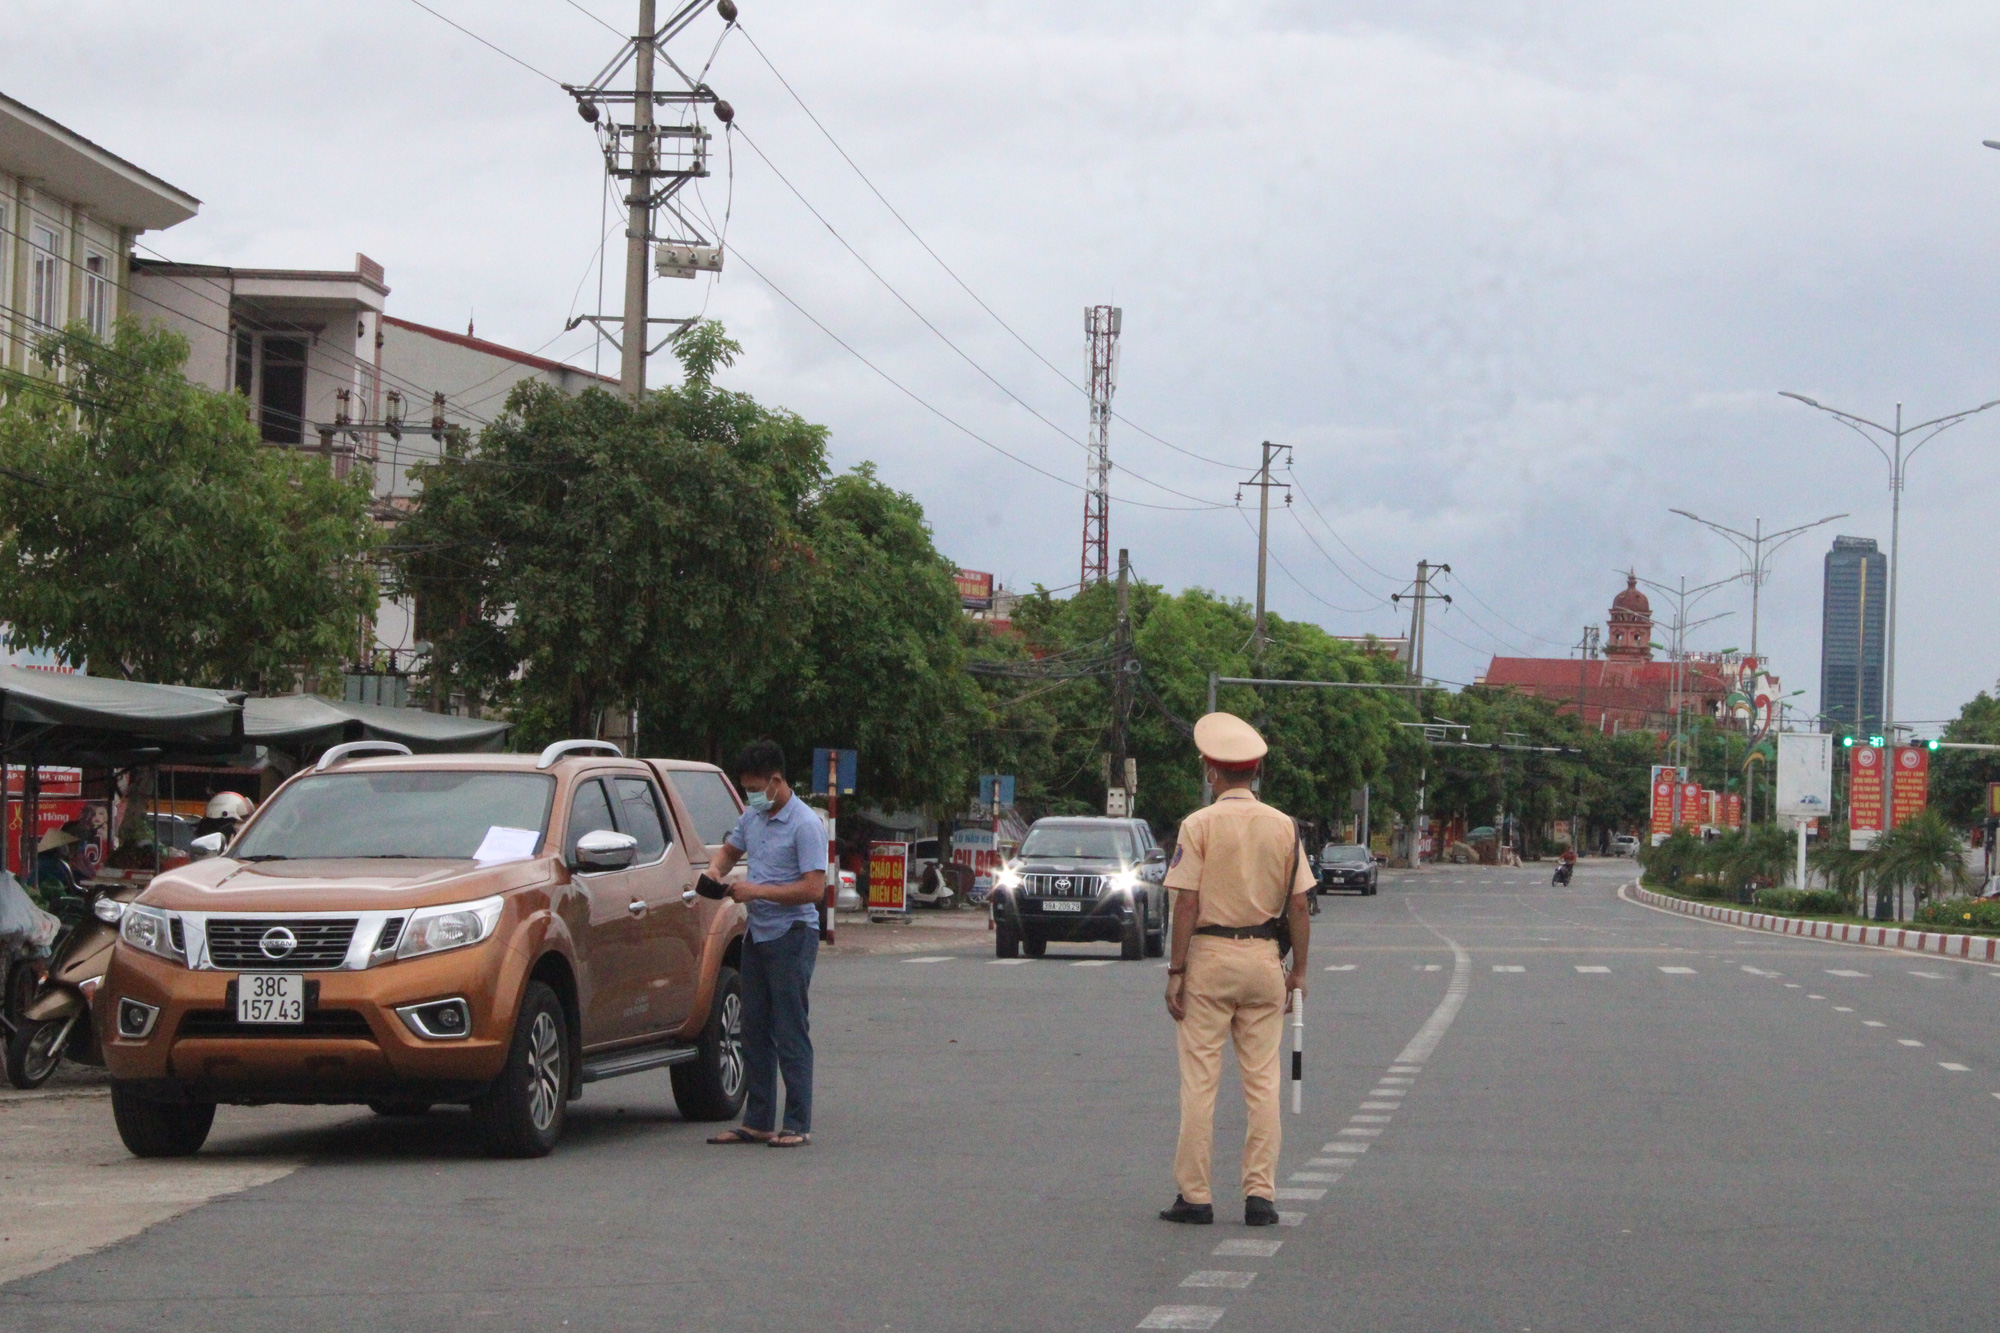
(786, 846)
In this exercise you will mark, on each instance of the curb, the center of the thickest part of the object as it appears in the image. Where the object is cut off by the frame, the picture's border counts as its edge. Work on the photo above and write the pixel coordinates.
(1978, 948)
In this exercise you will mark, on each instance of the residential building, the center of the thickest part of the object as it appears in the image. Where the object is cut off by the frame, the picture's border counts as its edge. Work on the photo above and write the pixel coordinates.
(1853, 617)
(69, 211)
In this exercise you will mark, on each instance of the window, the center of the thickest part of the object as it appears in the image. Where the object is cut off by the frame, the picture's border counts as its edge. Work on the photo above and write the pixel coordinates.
(589, 812)
(96, 293)
(44, 282)
(281, 399)
(710, 803)
(1079, 842)
(639, 815)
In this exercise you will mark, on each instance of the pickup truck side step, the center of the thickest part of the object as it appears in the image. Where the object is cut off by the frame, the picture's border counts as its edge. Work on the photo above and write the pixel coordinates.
(634, 1062)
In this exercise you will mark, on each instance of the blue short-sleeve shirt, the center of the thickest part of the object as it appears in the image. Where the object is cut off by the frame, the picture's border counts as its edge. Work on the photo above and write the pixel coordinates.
(780, 847)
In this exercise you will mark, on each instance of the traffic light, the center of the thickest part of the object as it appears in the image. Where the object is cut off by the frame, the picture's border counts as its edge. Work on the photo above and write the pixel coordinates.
(1875, 741)
(1847, 742)
(1931, 743)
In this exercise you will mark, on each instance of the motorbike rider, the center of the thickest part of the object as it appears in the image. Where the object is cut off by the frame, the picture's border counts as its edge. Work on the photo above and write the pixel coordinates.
(225, 814)
(52, 859)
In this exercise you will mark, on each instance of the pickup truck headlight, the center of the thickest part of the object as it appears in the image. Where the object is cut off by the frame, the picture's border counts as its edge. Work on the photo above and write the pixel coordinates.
(436, 929)
(154, 931)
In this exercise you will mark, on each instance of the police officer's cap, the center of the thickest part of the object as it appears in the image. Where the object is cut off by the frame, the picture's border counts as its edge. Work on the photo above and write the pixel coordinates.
(1227, 741)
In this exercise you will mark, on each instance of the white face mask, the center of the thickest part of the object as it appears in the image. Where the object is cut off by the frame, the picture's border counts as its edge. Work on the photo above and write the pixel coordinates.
(757, 799)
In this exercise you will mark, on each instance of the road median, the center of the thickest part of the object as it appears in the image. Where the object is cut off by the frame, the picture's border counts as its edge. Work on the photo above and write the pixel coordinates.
(1976, 948)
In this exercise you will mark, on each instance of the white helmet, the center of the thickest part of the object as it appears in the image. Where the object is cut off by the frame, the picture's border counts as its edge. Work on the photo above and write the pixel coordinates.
(230, 805)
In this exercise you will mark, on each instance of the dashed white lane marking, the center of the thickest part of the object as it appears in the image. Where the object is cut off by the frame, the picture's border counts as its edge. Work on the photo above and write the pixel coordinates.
(933, 958)
(1248, 1249)
(1381, 1106)
(1844, 972)
(1789, 985)
(1356, 1148)
(1508, 967)
(1313, 1177)
(1287, 1219)
(1009, 962)
(1931, 976)
(1871, 1023)
(1581, 967)
(1182, 1316)
(1843, 1008)
(1359, 1132)
(1091, 962)
(1369, 1119)
(1956, 1069)
(1299, 1195)
(1908, 1041)
(1430, 967)
(1212, 1277)
(1815, 997)
(1313, 1163)
(1395, 1080)
(1678, 971)
(1760, 972)
(1341, 967)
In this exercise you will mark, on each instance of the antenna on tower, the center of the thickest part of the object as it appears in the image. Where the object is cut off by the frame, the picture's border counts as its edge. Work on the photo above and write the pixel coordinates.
(1100, 325)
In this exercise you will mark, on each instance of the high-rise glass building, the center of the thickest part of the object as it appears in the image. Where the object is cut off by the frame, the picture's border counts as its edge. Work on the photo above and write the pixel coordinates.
(1852, 618)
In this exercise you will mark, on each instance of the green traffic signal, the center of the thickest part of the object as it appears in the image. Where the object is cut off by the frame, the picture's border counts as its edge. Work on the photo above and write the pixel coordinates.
(1932, 743)
(1847, 742)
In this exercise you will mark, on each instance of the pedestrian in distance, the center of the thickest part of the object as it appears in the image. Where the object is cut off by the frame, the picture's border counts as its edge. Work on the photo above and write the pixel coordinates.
(1237, 876)
(785, 843)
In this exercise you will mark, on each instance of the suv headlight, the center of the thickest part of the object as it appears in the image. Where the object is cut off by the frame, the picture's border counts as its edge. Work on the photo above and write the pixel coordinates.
(154, 931)
(435, 929)
(1123, 882)
(1007, 878)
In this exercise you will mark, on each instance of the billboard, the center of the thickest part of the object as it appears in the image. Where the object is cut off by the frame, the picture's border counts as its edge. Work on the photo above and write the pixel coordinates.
(1864, 796)
(975, 590)
(1805, 774)
(1910, 788)
(888, 876)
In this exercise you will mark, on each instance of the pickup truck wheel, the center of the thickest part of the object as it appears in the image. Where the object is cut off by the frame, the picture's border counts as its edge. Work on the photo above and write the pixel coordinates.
(521, 1113)
(1006, 940)
(160, 1129)
(1132, 939)
(712, 1086)
(1033, 945)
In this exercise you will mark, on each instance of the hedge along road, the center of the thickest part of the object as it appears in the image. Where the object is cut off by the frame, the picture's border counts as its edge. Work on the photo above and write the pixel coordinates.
(1634, 1120)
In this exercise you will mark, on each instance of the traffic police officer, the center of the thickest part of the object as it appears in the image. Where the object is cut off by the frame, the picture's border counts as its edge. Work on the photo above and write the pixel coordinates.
(1236, 871)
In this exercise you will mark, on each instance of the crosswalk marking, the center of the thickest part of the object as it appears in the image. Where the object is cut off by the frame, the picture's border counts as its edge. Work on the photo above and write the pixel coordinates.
(1678, 971)
(1584, 967)
(1508, 967)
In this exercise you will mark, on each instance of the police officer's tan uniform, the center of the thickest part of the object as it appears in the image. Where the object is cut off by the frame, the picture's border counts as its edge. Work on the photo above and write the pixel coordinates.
(1241, 856)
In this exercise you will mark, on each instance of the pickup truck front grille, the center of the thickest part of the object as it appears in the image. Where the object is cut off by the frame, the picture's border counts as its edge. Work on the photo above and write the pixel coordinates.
(317, 945)
(1062, 886)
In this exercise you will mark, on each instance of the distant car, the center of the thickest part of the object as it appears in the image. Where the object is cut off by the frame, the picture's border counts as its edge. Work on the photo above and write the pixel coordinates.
(1625, 844)
(1347, 865)
(1083, 879)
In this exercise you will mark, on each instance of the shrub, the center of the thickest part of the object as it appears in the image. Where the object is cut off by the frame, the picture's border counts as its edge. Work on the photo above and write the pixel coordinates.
(1960, 913)
(1674, 860)
(1778, 900)
(1824, 902)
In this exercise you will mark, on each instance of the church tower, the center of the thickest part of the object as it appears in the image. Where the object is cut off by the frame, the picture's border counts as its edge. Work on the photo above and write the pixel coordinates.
(1631, 626)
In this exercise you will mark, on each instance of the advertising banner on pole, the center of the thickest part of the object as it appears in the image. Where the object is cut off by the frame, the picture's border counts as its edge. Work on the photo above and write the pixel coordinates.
(888, 876)
(1664, 779)
(1864, 796)
(1910, 789)
(1735, 816)
(1690, 812)
(1805, 774)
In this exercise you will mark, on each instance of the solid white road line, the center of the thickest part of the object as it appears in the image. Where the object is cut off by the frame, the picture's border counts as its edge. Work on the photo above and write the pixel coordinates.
(1182, 1316)
(1248, 1249)
(1392, 1080)
(1287, 1219)
(1908, 1041)
(1314, 1163)
(1211, 1277)
(1430, 967)
(1583, 968)
(1789, 985)
(1356, 1148)
(1956, 1069)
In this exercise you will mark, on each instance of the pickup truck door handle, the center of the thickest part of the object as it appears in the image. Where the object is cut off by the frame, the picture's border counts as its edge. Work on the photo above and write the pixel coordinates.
(637, 907)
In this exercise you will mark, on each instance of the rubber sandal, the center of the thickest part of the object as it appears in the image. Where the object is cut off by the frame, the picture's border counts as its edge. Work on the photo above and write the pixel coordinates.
(740, 1136)
(787, 1139)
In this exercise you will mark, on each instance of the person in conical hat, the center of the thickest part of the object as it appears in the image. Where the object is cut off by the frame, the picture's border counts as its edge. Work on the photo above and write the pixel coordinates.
(1235, 873)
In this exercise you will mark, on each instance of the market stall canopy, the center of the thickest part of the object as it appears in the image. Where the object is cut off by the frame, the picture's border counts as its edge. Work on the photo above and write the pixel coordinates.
(49, 712)
(301, 722)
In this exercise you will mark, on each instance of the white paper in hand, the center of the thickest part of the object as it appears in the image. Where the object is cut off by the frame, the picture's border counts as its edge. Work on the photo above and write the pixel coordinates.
(505, 844)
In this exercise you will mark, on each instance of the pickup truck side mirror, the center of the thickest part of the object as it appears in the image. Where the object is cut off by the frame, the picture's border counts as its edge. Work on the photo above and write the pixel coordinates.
(602, 849)
(207, 845)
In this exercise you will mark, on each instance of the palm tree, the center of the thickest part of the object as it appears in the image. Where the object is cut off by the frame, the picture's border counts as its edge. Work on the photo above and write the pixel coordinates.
(1922, 854)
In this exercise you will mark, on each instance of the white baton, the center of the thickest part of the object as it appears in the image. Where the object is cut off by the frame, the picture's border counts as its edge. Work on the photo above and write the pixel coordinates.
(1298, 1051)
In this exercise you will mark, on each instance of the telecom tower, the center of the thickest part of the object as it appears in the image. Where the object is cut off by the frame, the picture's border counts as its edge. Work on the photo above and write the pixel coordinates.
(1100, 326)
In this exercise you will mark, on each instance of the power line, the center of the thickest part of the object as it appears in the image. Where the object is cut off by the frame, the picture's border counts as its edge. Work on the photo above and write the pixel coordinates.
(1335, 532)
(949, 271)
(488, 45)
(1470, 592)
(1345, 610)
(1331, 561)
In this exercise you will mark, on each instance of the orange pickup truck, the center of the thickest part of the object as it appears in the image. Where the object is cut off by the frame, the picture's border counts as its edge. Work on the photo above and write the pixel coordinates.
(402, 931)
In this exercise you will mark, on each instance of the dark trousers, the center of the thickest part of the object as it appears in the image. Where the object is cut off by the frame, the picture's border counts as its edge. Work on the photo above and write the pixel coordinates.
(776, 1028)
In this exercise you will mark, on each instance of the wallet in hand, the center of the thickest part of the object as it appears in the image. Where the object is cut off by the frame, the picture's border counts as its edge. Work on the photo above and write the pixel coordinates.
(708, 886)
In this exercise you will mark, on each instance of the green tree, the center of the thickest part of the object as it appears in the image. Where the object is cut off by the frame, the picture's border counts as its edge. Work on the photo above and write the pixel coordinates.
(1922, 854)
(1959, 777)
(150, 534)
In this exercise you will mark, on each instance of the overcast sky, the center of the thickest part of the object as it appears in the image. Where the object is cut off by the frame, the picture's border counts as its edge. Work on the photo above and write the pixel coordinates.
(1512, 280)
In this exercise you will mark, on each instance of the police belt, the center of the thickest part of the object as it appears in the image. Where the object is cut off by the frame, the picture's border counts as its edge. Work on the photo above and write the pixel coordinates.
(1267, 931)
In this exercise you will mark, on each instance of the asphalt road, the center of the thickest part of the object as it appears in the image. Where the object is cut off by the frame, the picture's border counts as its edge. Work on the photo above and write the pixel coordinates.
(1528, 1109)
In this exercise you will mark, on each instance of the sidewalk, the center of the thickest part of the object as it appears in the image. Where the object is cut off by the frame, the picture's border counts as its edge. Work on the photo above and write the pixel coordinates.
(926, 931)
(1975, 948)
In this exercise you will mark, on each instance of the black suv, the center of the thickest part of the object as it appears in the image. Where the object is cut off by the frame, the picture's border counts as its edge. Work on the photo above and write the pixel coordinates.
(1083, 879)
(1347, 865)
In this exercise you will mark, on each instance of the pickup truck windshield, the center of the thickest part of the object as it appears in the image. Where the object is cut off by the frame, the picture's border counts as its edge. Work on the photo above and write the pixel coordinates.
(441, 814)
(1081, 842)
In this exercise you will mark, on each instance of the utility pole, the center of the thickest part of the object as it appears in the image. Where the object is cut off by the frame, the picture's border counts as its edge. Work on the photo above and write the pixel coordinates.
(1752, 546)
(1123, 666)
(1101, 324)
(1587, 649)
(654, 161)
(1262, 481)
(1422, 594)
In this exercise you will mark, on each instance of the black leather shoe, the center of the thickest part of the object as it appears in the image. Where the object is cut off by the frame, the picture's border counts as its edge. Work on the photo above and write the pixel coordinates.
(1259, 1212)
(1201, 1214)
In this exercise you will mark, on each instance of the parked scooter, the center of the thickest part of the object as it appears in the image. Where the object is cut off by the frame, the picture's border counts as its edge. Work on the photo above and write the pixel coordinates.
(55, 1024)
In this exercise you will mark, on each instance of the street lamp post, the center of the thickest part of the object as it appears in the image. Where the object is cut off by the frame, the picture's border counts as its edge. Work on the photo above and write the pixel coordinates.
(1684, 597)
(1898, 460)
(1752, 545)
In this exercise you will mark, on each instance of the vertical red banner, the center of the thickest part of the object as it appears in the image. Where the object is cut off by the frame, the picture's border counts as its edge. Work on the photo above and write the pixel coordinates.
(1864, 795)
(1691, 805)
(1911, 786)
(1663, 800)
(1735, 817)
